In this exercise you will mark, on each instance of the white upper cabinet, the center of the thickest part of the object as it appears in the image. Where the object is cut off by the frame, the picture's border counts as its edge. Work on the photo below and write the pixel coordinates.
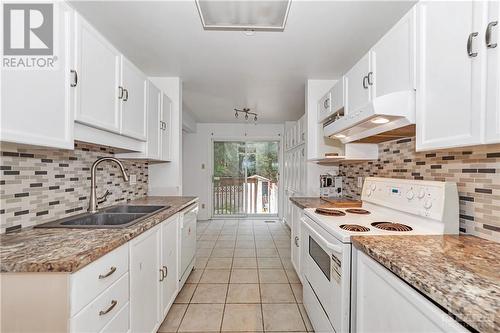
(154, 122)
(98, 70)
(393, 59)
(35, 104)
(133, 101)
(492, 40)
(166, 129)
(358, 87)
(450, 81)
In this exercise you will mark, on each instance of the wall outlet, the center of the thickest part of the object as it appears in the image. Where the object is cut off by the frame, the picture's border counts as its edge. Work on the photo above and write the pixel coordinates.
(202, 206)
(360, 182)
(132, 179)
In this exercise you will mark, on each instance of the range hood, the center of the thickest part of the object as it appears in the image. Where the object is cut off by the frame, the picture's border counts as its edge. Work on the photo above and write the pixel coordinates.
(350, 152)
(385, 118)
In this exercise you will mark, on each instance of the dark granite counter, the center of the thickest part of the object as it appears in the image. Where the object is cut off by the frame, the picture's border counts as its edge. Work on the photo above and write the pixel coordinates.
(68, 250)
(459, 273)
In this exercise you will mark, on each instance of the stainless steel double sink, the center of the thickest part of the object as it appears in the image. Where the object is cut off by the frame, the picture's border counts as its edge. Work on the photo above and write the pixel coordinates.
(121, 216)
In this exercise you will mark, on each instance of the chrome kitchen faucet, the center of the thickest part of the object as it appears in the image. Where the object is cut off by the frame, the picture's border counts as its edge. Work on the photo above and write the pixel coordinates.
(93, 200)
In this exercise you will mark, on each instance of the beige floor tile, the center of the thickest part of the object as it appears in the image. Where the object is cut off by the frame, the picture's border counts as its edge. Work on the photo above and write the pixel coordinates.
(282, 244)
(224, 244)
(244, 253)
(272, 276)
(243, 293)
(222, 253)
(202, 318)
(269, 263)
(292, 276)
(210, 293)
(245, 238)
(209, 237)
(200, 263)
(230, 237)
(267, 253)
(287, 263)
(282, 317)
(173, 319)
(219, 263)
(203, 252)
(242, 317)
(276, 293)
(215, 276)
(265, 244)
(241, 244)
(184, 296)
(244, 275)
(244, 263)
(303, 312)
(194, 276)
(205, 244)
(297, 291)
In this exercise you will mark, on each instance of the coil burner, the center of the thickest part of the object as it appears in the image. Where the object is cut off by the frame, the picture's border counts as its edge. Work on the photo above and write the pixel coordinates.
(390, 226)
(357, 211)
(354, 228)
(329, 212)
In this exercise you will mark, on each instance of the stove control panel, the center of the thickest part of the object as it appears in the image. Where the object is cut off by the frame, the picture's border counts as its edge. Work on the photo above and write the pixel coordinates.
(424, 198)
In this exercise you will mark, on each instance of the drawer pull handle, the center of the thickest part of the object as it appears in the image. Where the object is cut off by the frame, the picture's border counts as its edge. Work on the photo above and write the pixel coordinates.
(165, 268)
(111, 271)
(162, 275)
(113, 304)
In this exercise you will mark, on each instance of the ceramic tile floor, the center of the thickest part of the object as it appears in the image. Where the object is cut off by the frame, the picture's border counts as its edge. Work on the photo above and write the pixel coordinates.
(243, 282)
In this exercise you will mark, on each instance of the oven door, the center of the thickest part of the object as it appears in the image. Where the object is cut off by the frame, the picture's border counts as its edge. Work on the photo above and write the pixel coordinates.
(327, 271)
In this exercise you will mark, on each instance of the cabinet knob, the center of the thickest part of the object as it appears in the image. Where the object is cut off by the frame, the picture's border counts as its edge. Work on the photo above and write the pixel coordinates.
(469, 44)
(75, 78)
(365, 85)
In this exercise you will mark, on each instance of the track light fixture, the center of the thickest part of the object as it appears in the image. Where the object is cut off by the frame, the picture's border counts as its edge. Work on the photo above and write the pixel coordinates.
(246, 111)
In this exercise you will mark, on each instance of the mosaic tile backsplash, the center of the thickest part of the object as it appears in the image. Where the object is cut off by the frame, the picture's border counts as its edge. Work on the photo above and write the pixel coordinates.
(38, 186)
(476, 170)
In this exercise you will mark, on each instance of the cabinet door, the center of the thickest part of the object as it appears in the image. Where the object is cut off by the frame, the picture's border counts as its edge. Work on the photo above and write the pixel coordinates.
(450, 111)
(337, 95)
(145, 281)
(169, 247)
(358, 90)
(295, 230)
(35, 104)
(325, 106)
(493, 74)
(153, 116)
(98, 68)
(393, 59)
(133, 106)
(166, 128)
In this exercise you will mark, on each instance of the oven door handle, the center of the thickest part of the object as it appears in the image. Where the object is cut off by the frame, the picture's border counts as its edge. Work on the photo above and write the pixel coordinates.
(330, 246)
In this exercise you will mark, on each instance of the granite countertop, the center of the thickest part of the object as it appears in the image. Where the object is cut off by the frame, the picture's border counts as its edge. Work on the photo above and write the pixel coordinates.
(317, 202)
(459, 273)
(68, 250)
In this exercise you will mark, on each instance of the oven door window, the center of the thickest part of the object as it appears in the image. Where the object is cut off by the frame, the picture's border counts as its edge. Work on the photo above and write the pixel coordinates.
(320, 257)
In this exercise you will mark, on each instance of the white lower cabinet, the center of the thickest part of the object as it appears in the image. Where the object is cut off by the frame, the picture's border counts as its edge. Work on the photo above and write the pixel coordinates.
(296, 240)
(384, 303)
(168, 260)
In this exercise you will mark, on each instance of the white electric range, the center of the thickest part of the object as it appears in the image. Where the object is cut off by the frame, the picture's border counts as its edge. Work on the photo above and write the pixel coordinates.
(390, 207)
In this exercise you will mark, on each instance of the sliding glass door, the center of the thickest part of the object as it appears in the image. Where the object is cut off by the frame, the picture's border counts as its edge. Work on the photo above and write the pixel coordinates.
(245, 178)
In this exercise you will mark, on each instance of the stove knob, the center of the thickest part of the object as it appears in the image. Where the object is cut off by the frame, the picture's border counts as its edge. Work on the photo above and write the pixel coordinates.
(373, 187)
(427, 204)
(410, 195)
(421, 194)
(368, 192)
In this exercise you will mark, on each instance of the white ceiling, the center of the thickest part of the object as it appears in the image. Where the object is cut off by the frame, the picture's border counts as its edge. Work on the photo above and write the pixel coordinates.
(222, 70)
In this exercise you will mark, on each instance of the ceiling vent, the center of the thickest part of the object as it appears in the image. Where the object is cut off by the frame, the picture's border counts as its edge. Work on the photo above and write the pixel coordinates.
(243, 15)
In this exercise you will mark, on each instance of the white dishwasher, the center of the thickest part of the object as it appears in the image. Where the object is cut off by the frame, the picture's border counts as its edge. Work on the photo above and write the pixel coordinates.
(187, 238)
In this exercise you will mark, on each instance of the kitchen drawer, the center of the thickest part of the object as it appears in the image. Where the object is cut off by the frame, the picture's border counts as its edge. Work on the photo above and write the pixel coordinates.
(120, 323)
(315, 312)
(97, 314)
(92, 280)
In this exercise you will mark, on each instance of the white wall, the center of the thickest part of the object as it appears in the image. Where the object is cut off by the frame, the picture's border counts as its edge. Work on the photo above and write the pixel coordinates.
(166, 178)
(197, 155)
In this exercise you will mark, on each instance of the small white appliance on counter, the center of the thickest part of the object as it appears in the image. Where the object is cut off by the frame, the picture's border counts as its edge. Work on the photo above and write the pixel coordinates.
(330, 186)
(390, 207)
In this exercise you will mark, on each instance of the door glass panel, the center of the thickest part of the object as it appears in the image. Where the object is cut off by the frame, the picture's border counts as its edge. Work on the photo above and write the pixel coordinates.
(245, 179)
(320, 257)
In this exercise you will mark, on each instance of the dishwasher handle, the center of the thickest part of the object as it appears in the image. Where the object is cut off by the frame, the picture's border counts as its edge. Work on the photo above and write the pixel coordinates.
(330, 246)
